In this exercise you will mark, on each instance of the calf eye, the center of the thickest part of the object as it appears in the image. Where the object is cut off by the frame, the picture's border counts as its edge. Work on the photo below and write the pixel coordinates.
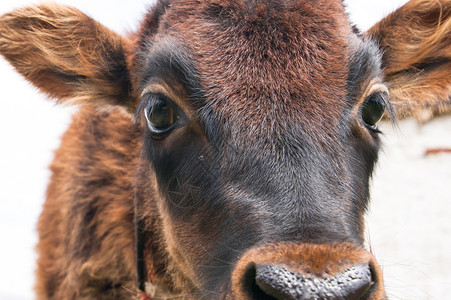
(373, 109)
(161, 115)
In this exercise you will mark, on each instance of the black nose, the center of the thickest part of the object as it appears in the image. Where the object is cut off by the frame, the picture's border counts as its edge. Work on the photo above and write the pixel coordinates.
(278, 282)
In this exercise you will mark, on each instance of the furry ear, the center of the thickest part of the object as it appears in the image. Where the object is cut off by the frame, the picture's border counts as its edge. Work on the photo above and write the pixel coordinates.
(416, 44)
(66, 54)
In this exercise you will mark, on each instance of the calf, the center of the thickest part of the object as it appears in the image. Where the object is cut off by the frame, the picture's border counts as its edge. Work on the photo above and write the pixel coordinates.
(224, 150)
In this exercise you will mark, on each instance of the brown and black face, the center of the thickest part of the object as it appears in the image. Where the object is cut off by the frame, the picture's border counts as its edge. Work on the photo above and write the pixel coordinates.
(260, 133)
(261, 127)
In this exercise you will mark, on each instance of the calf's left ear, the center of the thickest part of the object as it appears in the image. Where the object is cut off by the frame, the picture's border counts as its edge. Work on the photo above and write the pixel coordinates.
(66, 54)
(416, 44)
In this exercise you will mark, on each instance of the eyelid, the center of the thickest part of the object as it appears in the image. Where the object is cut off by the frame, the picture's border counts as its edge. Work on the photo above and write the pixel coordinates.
(159, 88)
(375, 86)
(175, 94)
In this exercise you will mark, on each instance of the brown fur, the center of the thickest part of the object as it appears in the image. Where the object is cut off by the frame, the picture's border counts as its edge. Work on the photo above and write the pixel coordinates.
(271, 73)
(86, 65)
(416, 43)
(73, 266)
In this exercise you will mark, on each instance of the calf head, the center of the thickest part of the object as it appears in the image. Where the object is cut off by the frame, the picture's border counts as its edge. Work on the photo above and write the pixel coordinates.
(260, 135)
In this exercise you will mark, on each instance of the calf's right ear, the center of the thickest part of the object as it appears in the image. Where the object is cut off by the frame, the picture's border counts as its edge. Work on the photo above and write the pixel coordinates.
(415, 42)
(67, 55)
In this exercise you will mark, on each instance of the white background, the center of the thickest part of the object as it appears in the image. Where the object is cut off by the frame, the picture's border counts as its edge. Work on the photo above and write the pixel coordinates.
(408, 225)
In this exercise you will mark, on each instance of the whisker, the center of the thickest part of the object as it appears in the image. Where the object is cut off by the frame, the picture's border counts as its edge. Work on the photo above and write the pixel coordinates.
(129, 290)
(228, 247)
(227, 263)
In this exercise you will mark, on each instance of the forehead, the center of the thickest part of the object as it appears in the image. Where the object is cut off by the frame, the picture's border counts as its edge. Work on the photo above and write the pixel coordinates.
(288, 59)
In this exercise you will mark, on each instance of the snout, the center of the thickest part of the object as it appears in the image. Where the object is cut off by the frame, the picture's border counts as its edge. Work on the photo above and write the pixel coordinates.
(308, 271)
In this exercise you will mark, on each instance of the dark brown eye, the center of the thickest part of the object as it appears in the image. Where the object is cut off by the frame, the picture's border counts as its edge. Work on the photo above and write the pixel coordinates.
(161, 114)
(373, 109)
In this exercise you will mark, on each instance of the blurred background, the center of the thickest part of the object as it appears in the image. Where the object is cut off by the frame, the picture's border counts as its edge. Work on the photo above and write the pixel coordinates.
(408, 224)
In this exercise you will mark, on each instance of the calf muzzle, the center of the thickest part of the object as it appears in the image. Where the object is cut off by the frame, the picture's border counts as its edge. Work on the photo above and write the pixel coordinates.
(308, 271)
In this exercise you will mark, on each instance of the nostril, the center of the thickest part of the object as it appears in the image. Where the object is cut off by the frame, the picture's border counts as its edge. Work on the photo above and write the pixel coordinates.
(281, 283)
(276, 281)
(251, 288)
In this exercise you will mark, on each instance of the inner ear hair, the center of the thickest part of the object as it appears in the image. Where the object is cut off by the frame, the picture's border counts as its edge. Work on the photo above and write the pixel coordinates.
(67, 55)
